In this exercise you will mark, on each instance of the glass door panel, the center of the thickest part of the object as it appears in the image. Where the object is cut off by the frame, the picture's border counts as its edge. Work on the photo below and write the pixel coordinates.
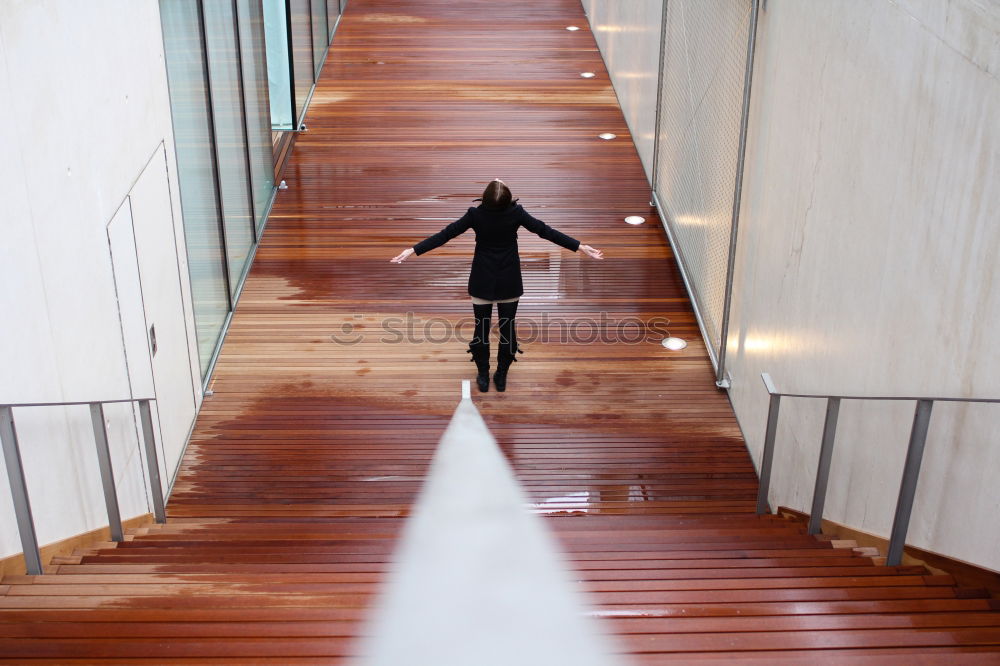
(332, 13)
(302, 54)
(321, 37)
(230, 135)
(279, 66)
(257, 108)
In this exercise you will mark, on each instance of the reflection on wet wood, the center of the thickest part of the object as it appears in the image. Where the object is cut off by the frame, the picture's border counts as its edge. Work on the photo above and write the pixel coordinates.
(341, 370)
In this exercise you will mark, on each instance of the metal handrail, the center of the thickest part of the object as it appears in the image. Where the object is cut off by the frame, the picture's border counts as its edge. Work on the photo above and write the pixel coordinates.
(74, 403)
(19, 487)
(911, 468)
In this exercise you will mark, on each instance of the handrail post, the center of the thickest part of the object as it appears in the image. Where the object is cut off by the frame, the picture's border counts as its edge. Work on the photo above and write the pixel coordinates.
(658, 115)
(152, 464)
(734, 226)
(19, 492)
(107, 472)
(767, 458)
(908, 484)
(823, 468)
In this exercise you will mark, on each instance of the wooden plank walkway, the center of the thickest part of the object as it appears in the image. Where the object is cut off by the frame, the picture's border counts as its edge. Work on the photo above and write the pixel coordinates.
(341, 370)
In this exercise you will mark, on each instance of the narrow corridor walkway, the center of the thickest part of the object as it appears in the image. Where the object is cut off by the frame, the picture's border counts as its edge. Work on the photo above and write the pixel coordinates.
(341, 370)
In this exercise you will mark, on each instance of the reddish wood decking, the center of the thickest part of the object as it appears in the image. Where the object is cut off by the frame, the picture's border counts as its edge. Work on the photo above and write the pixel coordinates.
(305, 461)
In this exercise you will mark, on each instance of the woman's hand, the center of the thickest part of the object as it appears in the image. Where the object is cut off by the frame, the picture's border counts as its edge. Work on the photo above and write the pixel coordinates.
(401, 257)
(592, 252)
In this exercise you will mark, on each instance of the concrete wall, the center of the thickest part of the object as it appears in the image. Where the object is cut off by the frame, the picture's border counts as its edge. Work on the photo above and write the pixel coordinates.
(867, 257)
(92, 254)
(628, 34)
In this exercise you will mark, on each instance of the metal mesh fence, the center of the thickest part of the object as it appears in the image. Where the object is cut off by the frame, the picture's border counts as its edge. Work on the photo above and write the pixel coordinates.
(698, 141)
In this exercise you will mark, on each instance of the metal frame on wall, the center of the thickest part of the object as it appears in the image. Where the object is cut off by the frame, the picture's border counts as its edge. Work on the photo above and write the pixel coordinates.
(711, 295)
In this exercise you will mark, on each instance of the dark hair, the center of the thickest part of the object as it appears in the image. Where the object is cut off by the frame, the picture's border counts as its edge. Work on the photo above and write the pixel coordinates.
(497, 196)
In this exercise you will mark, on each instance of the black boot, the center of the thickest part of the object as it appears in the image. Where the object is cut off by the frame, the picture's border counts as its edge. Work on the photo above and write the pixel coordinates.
(508, 350)
(481, 355)
(480, 345)
(504, 360)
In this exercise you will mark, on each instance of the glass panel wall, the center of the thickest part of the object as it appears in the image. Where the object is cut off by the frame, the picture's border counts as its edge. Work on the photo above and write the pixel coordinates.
(232, 82)
(302, 54)
(320, 36)
(193, 141)
(279, 67)
(230, 135)
(258, 119)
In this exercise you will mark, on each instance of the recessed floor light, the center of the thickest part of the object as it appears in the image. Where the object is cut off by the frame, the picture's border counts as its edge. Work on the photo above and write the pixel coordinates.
(674, 344)
(572, 28)
(587, 75)
(635, 219)
(607, 136)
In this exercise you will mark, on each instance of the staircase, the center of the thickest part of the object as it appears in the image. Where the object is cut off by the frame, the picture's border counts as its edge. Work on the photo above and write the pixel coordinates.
(686, 586)
(305, 462)
(760, 590)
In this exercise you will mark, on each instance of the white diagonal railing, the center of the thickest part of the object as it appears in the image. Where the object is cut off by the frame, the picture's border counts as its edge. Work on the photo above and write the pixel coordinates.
(477, 578)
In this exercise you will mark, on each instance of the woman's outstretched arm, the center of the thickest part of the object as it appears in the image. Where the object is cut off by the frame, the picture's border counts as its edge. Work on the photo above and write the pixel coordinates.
(457, 227)
(543, 230)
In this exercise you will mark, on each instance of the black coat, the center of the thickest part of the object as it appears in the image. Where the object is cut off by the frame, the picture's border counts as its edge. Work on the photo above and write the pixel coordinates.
(496, 265)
